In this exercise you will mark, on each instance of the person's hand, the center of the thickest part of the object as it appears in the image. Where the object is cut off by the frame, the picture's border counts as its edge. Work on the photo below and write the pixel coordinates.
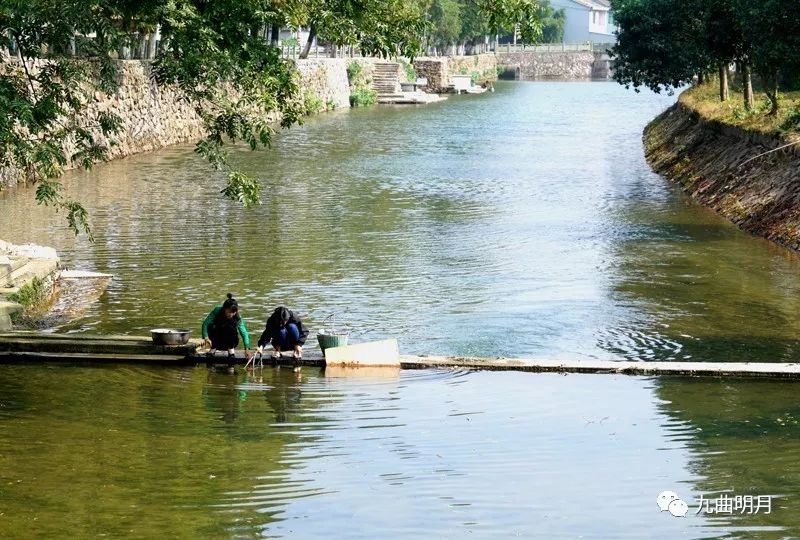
(298, 351)
(260, 349)
(206, 343)
(248, 355)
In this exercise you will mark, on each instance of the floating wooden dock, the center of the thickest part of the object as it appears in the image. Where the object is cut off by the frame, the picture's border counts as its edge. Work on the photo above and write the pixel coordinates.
(37, 347)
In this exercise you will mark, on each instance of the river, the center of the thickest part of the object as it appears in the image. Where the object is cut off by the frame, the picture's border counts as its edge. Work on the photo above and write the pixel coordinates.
(519, 223)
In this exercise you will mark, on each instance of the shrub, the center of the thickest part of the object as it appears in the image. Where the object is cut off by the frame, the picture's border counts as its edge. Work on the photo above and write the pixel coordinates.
(411, 74)
(792, 120)
(354, 69)
(30, 294)
(312, 103)
(363, 97)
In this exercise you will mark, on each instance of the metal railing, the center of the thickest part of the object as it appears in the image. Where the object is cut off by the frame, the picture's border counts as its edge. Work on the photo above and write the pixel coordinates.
(320, 51)
(554, 47)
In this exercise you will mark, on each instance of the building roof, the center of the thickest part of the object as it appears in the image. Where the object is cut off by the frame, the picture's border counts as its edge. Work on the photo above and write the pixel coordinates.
(602, 5)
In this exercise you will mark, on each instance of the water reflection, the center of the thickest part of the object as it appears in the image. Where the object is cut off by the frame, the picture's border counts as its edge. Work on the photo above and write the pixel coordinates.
(693, 293)
(520, 223)
(743, 442)
(138, 452)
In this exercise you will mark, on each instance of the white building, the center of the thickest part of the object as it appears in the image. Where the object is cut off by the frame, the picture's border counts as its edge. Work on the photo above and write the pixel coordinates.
(587, 20)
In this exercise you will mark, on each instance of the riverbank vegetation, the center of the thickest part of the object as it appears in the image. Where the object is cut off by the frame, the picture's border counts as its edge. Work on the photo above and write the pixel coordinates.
(666, 44)
(704, 99)
(57, 58)
(35, 297)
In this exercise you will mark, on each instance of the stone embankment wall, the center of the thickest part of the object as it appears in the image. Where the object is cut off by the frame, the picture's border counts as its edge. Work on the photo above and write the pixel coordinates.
(722, 167)
(154, 117)
(326, 79)
(532, 65)
(439, 69)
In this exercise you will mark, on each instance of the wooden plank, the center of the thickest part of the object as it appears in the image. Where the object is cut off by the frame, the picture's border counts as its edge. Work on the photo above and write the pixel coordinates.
(29, 334)
(375, 353)
(47, 357)
(72, 343)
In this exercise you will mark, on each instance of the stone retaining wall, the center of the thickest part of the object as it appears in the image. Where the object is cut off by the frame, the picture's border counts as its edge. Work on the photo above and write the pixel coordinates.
(326, 79)
(439, 69)
(531, 65)
(727, 168)
(154, 117)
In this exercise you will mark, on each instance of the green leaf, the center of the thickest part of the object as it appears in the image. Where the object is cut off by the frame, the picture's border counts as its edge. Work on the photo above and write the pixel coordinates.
(243, 189)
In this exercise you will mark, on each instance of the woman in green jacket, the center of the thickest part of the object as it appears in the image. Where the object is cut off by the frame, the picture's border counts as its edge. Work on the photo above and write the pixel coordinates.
(222, 328)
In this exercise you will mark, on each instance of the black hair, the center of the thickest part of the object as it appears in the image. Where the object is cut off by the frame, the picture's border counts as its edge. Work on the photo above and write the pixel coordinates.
(231, 303)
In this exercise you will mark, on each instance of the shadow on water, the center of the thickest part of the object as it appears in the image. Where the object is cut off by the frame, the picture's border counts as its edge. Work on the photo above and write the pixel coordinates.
(743, 439)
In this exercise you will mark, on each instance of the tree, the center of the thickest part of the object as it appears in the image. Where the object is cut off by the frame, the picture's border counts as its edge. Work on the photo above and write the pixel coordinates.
(43, 101)
(665, 43)
(445, 17)
(527, 15)
(213, 51)
(771, 27)
(553, 25)
(377, 27)
(658, 44)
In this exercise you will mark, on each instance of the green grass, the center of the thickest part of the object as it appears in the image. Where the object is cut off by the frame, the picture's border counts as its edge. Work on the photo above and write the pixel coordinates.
(705, 100)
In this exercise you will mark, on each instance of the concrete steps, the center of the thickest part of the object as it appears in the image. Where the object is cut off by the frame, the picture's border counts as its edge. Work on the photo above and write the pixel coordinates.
(21, 271)
(386, 79)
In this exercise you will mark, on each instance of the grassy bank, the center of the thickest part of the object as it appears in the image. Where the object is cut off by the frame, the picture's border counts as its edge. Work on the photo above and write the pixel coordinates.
(705, 100)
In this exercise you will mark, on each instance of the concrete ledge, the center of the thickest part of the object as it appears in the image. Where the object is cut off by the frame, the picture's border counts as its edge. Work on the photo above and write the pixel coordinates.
(691, 369)
(6, 310)
(22, 347)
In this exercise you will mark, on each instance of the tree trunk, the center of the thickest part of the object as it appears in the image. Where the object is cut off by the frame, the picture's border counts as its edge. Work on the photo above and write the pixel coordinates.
(747, 85)
(701, 78)
(723, 83)
(312, 34)
(275, 35)
(771, 89)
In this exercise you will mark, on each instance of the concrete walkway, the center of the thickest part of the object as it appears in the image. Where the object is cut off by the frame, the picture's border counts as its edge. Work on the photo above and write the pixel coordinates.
(33, 347)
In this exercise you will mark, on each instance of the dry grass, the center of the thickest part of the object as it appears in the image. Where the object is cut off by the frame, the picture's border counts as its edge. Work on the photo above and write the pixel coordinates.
(705, 100)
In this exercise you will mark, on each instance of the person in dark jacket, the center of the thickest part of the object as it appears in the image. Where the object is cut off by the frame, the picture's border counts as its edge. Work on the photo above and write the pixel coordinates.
(222, 328)
(285, 332)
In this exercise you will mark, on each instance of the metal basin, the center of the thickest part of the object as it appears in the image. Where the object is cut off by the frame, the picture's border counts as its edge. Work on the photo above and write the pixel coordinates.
(170, 336)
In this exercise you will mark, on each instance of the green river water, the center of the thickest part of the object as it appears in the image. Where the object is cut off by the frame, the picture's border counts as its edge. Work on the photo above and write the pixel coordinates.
(519, 223)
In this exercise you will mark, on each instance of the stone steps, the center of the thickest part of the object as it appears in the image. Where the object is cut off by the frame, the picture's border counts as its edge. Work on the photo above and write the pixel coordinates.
(32, 268)
(9, 265)
(386, 80)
